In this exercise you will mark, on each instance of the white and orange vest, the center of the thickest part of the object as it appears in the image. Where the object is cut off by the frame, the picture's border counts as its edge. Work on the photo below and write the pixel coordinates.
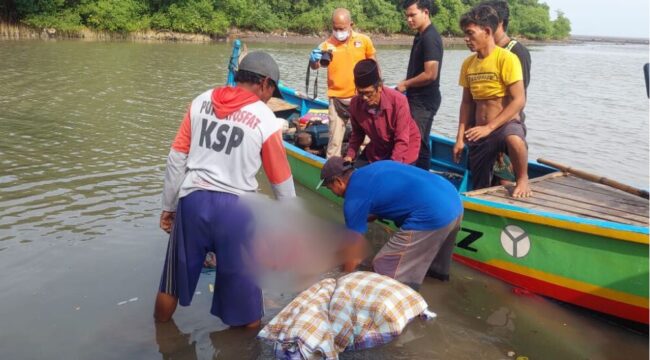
(225, 153)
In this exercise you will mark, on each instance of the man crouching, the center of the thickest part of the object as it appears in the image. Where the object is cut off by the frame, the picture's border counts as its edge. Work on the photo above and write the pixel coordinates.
(493, 97)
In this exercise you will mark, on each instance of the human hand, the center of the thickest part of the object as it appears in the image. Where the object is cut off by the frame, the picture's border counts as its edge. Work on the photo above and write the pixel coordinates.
(315, 55)
(347, 158)
(167, 220)
(401, 87)
(478, 132)
(352, 252)
(458, 151)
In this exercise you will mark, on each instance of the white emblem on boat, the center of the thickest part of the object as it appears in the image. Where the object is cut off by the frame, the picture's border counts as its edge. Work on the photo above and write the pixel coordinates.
(515, 241)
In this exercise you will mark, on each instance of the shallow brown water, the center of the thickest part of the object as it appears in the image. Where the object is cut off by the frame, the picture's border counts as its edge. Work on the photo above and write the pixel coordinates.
(85, 131)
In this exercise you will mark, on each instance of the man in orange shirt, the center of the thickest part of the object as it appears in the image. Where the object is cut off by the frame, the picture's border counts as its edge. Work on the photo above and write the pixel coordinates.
(344, 49)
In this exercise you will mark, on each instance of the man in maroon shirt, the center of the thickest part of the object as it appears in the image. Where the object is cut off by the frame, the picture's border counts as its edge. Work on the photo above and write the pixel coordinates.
(382, 114)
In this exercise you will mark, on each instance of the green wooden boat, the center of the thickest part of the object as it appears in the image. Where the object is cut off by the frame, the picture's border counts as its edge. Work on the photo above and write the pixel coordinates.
(576, 241)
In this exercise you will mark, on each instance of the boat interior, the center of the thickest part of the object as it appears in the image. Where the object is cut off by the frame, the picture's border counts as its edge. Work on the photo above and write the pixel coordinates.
(565, 194)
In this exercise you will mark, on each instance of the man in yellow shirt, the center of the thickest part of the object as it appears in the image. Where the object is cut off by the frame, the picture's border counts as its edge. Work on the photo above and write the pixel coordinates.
(344, 49)
(493, 97)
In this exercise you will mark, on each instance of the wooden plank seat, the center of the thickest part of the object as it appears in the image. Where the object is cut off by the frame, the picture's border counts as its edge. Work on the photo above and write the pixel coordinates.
(569, 195)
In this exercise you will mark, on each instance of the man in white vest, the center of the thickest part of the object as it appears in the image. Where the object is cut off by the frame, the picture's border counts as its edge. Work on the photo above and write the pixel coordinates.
(227, 134)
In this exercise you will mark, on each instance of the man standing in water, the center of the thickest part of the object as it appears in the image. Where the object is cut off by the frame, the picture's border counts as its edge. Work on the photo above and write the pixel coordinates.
(493, 96)
(344, 49)
(422, 84)
(226, 135)
(425, 206)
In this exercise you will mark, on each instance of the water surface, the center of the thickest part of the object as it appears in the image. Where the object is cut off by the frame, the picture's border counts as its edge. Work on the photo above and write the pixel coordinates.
(86, 128)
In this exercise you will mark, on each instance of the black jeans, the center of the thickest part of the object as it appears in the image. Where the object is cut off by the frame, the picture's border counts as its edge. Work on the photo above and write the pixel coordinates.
(423, 117)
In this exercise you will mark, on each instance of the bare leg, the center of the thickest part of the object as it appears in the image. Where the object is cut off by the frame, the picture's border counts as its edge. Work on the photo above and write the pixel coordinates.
(165, 307)
(519, 157)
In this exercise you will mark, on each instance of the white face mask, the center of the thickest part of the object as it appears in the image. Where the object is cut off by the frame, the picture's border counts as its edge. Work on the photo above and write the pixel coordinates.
(341, 35)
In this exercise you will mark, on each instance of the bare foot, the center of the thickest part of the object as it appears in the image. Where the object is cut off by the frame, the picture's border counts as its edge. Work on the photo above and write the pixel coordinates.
(522, 189)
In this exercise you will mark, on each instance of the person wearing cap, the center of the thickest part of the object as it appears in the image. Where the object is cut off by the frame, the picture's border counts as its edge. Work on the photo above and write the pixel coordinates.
(422, 83)
(346, 48)
(425, 206)
(382, 114)
(227, 134)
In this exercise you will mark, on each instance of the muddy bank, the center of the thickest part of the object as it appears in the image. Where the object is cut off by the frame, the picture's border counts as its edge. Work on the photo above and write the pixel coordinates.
(20, 31)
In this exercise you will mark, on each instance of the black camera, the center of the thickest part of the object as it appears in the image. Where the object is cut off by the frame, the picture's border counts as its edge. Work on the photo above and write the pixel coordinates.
(326, 58)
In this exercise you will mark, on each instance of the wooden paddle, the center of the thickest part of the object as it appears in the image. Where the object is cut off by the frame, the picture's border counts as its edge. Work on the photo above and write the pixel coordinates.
(595, 178)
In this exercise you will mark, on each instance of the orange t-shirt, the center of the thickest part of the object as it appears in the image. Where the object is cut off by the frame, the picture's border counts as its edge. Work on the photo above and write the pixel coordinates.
(340, 76)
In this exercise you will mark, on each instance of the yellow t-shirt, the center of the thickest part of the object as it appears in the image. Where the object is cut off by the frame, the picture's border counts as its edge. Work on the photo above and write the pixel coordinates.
(489, 78)
(340, 76)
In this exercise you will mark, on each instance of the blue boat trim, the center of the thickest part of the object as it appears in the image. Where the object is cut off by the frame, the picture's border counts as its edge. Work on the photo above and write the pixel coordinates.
(578, 220)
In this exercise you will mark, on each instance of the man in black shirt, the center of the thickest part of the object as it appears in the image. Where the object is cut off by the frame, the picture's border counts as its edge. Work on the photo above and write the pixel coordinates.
(422, 84)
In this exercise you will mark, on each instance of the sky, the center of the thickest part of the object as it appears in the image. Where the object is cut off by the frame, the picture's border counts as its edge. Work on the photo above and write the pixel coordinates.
(619, 18)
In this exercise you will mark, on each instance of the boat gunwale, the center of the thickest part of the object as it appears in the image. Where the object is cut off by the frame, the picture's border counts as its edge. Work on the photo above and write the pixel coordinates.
(618, 231)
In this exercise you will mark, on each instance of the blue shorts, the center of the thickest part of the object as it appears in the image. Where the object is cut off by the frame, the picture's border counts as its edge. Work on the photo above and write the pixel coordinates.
(218, 222)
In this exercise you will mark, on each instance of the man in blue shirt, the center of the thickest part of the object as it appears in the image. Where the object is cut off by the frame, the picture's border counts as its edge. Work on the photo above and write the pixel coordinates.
(426, 208)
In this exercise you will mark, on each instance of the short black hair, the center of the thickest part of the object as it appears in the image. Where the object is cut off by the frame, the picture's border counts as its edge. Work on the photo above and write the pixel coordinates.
(249, 77)
(502, 9)
(481, 15)
(422, 5)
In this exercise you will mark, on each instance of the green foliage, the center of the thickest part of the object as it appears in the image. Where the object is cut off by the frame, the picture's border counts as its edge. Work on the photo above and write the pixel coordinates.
(191, 16)
(531, 22)
(529, 18)
(382, 17)
(561, 26)
(66, 20)
(251, 14)
(25, 8)
(309, 22)
(114, 15)
(446, 20)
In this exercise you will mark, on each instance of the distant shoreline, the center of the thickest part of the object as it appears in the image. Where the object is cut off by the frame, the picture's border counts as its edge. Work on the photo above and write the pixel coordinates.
(22, 32)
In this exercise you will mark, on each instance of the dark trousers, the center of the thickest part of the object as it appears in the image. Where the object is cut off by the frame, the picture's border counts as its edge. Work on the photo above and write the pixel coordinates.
(423, 117)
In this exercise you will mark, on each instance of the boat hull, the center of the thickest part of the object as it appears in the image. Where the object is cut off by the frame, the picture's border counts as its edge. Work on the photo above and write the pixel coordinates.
(601, 269)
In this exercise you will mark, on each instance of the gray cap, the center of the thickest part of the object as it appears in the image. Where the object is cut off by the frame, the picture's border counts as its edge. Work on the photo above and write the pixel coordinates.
(262, 63)
(334, 166)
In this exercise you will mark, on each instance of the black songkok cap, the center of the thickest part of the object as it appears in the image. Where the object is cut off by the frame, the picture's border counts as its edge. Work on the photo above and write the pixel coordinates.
(366, 73)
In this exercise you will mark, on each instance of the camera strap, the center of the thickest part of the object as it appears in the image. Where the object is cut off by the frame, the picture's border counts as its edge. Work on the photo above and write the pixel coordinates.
(307, 82)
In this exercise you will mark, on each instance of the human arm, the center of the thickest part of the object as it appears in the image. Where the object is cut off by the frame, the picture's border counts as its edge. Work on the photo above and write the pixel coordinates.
(464, 118)
(314, 58)
(353, 250)
(167, 220)
(175, 172)
(356, 211)
(402, 138)
(356, 136)
(276, 167)
(426, 77)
